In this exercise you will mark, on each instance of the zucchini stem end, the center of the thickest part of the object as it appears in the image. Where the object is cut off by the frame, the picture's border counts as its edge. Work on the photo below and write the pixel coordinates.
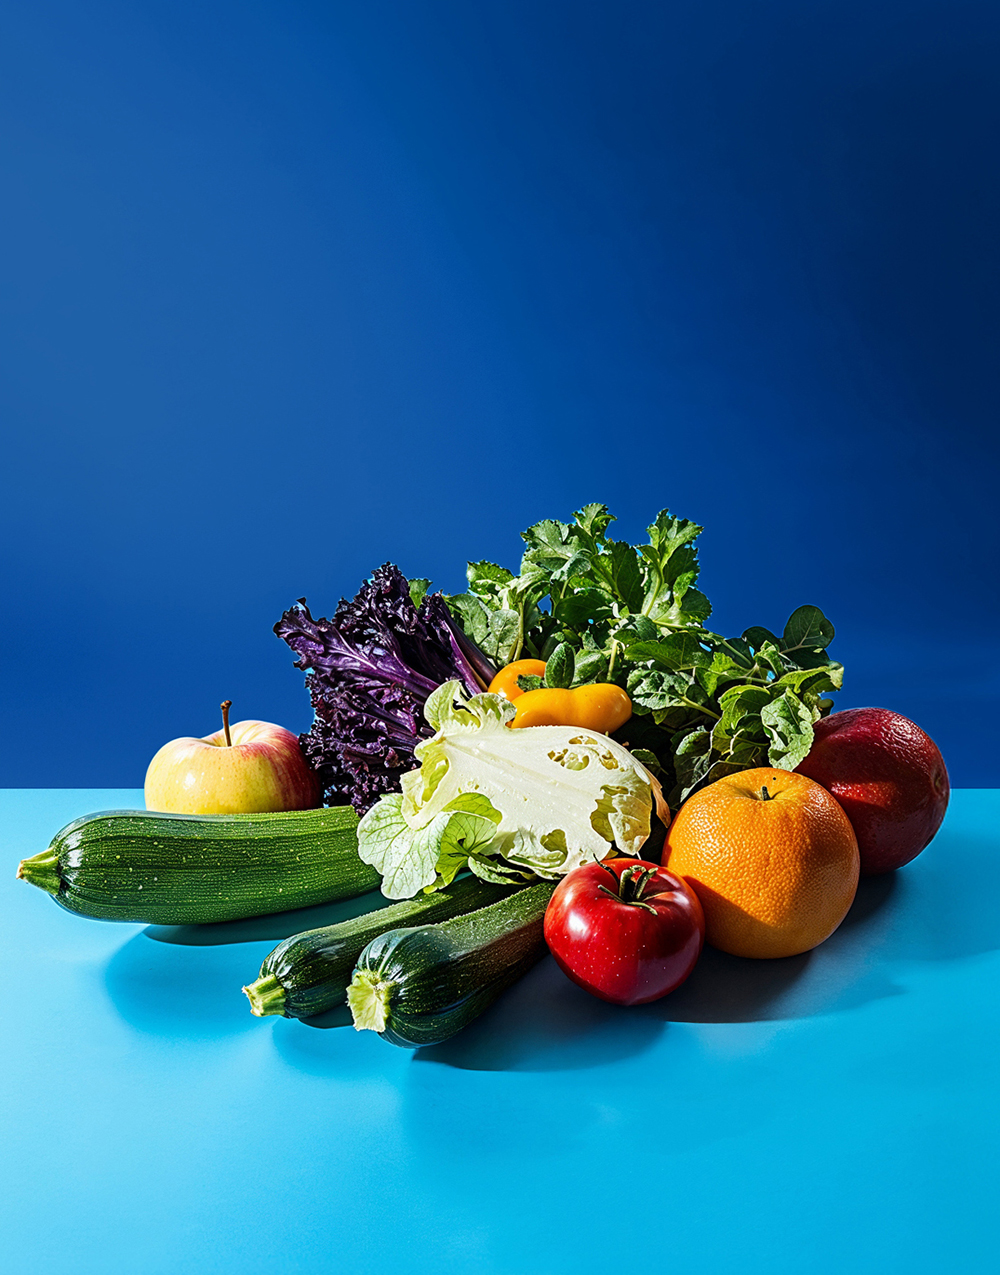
(369, 996)
(266, 996)
(41, 870)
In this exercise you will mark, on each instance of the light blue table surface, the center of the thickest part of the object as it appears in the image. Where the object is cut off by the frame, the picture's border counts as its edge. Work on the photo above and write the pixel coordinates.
(831, 1112)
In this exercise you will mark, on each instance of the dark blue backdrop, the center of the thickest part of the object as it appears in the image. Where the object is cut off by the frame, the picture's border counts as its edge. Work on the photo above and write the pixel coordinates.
(292, 288)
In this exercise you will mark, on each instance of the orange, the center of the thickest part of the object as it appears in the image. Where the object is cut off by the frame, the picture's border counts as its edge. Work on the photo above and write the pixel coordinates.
(772, 857)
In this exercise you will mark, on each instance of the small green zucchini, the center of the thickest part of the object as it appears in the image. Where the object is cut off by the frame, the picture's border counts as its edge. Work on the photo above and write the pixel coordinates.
(138, 865)
(420, 986)
(308, 973)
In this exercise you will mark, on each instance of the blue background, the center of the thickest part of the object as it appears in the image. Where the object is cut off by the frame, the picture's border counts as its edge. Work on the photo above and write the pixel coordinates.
(289, 289)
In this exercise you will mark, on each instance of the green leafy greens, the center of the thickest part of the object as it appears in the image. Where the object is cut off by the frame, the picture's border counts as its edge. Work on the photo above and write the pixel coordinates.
(507, 804)
(603, 610)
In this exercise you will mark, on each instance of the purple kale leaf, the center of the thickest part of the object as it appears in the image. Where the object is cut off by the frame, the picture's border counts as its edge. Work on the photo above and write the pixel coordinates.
(368, 672)
(451, 633)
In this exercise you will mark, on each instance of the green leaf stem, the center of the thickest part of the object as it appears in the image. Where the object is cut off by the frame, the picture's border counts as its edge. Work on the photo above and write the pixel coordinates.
(596, 609)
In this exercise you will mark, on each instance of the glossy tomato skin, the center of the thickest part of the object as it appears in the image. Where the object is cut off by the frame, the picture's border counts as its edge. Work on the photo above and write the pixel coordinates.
(617, 950)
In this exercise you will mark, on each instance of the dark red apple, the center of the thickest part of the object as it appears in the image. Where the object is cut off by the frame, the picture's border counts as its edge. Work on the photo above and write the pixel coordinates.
(890, 778)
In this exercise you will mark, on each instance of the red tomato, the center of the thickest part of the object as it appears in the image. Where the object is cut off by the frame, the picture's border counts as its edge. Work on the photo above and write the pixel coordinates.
(626, 930)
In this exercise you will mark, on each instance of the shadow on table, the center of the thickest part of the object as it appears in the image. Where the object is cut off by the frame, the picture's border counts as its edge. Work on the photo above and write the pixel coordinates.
(187, 982)
(273, 927)
(548, 1023)
(734, 989)
(187, 992)
(929, 913)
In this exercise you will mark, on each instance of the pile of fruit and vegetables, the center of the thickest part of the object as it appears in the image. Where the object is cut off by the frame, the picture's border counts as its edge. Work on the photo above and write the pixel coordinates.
(567, 759)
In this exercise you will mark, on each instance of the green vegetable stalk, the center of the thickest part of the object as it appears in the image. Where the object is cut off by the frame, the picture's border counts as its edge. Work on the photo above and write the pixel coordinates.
(308, 973)
(704, 705)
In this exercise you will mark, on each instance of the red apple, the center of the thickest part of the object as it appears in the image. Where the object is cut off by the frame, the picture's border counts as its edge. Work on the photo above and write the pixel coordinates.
(890, 778)
(249, 766)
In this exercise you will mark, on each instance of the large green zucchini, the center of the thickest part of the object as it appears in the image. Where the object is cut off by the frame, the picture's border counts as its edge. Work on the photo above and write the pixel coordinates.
(138, 865)
(308, 973)
(419, 986)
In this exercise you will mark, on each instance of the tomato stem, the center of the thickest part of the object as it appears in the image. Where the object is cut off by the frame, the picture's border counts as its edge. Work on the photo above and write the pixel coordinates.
(629, 886)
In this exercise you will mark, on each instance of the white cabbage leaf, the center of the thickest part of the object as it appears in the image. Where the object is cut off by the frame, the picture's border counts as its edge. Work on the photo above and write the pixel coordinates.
(507, 804)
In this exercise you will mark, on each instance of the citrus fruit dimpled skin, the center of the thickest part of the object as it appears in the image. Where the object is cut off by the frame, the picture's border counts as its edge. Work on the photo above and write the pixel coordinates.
(772, 857)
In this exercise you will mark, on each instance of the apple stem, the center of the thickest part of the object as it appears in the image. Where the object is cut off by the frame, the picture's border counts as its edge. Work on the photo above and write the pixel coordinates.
(226, 705)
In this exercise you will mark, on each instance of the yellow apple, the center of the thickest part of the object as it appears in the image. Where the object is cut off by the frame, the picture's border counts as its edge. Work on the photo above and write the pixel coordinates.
(242, 768)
